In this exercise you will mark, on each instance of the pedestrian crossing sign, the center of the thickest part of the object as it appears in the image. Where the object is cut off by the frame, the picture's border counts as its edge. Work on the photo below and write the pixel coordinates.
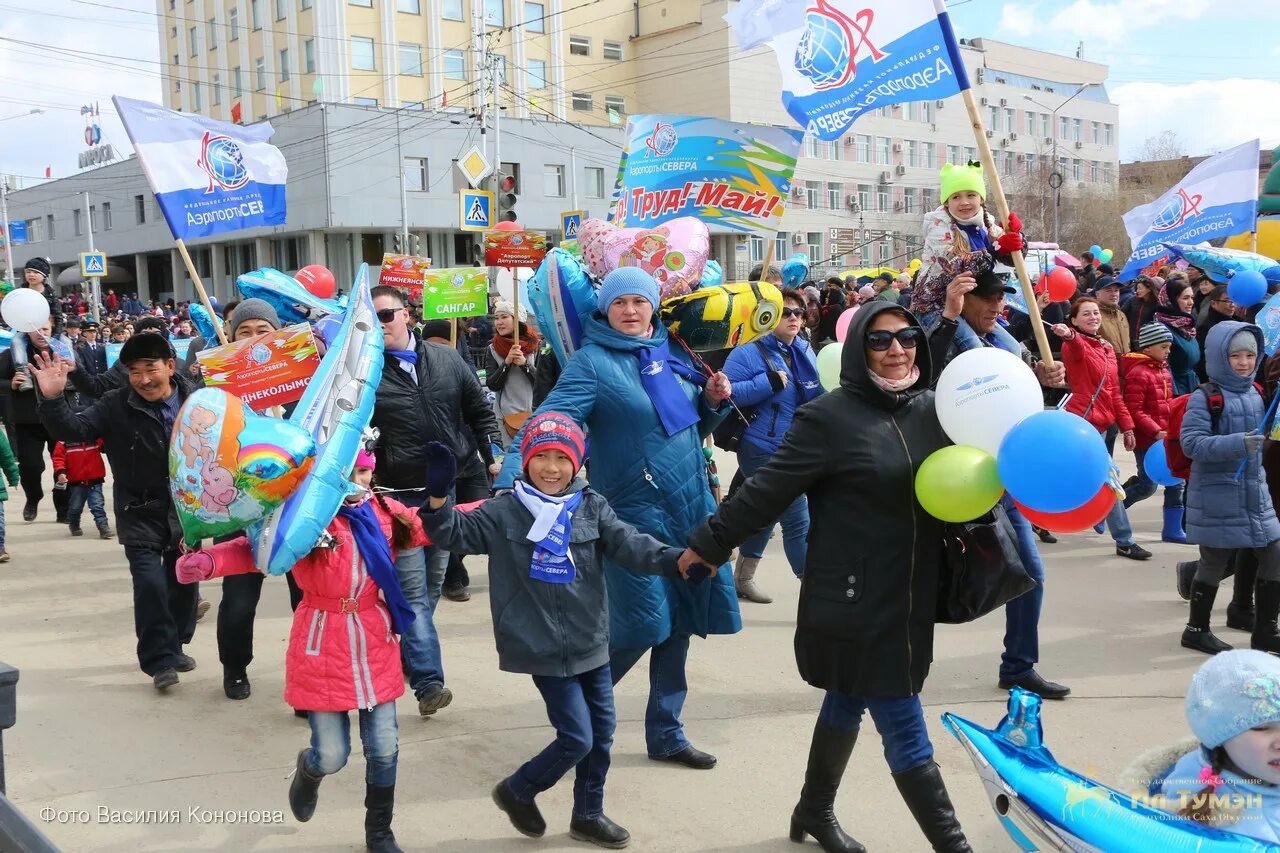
(570, 222)
(93, 264)
(475, 210)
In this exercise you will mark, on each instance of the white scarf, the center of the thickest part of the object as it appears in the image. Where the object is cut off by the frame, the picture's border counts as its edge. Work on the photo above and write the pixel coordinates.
(552, 524)
(546, 510)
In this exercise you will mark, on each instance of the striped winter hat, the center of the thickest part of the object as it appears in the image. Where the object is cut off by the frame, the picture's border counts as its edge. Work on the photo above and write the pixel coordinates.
(1152, 334)
(553, 431)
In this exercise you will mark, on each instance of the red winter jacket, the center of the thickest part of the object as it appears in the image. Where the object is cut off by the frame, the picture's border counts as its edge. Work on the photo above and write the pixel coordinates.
(81, 461)
(1148, 391)
(343, 654)
(1088, 360)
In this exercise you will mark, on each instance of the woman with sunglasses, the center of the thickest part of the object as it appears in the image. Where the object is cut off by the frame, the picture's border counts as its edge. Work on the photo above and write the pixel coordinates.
(772, 378)
(864, 632)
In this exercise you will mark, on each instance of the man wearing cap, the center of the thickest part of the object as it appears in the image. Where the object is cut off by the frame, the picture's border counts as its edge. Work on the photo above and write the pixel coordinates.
(31, 438)
(1115, 325)
(117, 376)
(980, 301)
(884, 289)
(136, 422)
(91, 354)
(427, 394)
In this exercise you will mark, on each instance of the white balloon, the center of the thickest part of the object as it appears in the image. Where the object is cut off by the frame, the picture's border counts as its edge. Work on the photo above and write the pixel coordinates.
(24, 310)
(984, 393)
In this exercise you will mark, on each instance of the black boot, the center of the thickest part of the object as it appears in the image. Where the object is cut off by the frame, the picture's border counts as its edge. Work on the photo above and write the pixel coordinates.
(926, 796)
(815, 815)
(1265, 636)
(1197, 636)
(378, 805)
(304, 791)
(1240, 614)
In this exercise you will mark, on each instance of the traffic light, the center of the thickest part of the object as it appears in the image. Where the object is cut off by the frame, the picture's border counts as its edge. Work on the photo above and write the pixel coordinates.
(415, 245)
(397, 247)
(506, 198)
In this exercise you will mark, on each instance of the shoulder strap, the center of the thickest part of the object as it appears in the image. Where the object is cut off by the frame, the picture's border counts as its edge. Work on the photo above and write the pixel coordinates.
(1213, 396)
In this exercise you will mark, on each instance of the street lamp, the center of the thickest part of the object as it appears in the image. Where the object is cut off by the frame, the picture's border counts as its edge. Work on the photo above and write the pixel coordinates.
(1056, 177)
(33, 112)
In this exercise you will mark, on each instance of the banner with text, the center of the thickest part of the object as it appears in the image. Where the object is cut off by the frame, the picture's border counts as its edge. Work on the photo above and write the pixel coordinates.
(269, 370)
(723, 172)
(405, 272)
(455, 292)
(514, 248)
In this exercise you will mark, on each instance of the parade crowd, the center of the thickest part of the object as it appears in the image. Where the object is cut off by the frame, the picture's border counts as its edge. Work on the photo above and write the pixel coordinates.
(588, 487)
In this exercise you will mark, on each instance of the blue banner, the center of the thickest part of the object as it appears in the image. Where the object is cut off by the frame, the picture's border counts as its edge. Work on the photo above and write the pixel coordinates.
(842, 58)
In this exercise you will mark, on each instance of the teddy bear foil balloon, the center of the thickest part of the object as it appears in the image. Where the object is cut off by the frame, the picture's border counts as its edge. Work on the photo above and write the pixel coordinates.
(674, 253)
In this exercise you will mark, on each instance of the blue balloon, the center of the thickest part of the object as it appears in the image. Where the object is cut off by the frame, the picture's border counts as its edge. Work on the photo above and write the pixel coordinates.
(1095, 250)
(204, 325)
(1053, 461)
(795, 270)
(1247, 288)
(1156, 464)
(293, 302)
(561, 310)
(712, 275)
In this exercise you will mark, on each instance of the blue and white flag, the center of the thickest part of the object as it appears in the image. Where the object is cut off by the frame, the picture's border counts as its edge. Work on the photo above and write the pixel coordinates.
(208, 176)
(1218, 198)
(842, 58)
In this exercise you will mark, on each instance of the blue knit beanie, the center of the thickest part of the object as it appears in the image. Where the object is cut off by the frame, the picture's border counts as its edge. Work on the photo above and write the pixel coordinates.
(1231, 693)
(626, 281)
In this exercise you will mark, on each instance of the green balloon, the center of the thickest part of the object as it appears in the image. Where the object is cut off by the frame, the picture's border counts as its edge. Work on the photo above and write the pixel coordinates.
(829, 365)
(958, 483)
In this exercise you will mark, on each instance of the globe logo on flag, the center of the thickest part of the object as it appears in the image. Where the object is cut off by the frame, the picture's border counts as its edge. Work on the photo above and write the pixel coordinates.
(1178, 210)
(827, 52)
(222, 162)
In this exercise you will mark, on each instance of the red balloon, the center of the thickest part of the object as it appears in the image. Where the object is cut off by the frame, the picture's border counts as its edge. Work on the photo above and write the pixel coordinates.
(317, 280)
(506, 225)
(1061, 283)
(1073, 520)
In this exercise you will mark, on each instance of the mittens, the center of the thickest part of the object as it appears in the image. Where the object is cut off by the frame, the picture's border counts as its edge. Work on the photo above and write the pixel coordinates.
(442, 469)
(1253, 443)
(194, 567)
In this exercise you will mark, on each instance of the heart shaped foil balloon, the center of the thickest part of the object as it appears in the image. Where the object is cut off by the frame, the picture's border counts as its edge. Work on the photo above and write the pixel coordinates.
(674, 253)
(229, 467)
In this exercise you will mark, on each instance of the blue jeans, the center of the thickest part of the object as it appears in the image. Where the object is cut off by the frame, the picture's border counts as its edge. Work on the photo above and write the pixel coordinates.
(900, 723)
(663, 732)
(966, 338)
(1118, 525)
(794, 519)
(420, 644)
(1146, 487)
(580, 707)
(1022, 615)
(331, 743)
(77, 495)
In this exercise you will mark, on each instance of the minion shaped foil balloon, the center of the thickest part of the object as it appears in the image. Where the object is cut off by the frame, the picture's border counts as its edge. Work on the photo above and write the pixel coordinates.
(729, 315)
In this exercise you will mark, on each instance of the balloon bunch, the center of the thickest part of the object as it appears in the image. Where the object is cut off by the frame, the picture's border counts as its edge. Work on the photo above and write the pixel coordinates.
(1100, 255)
(1053, 464)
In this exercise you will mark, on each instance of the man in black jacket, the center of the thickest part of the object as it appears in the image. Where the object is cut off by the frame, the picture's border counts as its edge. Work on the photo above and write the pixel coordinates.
(96, 385)
(428, 393)
(91, 354)
(32, 439)
(136, 421)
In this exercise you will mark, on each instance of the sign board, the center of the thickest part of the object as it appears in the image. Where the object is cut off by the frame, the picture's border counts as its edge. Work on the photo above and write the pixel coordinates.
(405, 272)
(264, 371)
(570, 222)
(18, 231)
(181, 346)
(474, 166)
(455, 292)
(93, 264)
(514, 248)
(113, 353)
(475, 210)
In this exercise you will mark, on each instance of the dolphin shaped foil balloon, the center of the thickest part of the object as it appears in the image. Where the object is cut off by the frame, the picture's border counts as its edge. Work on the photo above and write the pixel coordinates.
(1221, 264)
(335, 410)
(293, 302)
(1045, 806)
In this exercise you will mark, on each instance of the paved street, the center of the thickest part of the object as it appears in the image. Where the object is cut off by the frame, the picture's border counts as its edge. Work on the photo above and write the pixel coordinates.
(92, 733)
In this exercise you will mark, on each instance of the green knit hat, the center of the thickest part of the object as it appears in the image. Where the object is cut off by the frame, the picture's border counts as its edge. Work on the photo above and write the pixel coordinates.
(958, 179)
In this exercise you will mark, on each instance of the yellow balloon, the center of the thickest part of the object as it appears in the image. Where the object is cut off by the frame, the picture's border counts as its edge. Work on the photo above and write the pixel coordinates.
(829, 365)
(914, 265)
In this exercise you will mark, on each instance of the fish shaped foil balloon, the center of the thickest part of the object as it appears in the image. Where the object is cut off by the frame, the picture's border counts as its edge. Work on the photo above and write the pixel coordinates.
(725, 316)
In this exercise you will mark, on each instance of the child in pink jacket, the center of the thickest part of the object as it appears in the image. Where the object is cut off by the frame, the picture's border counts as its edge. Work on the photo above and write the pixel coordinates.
(343, 651)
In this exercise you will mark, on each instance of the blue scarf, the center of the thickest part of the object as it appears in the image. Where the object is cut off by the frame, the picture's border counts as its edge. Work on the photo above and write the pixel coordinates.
(406, 355)
(374, 549)
(552, 521)
(803, 373)
(979, 238)
(658, 376)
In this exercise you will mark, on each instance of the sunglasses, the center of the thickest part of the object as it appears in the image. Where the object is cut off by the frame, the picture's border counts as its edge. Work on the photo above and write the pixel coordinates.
(386, 315)
(792, 312)
(880, 340)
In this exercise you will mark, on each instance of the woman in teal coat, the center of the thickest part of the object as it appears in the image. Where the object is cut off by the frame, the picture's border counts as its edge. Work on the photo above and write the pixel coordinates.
(647, 415)
(1175, 301)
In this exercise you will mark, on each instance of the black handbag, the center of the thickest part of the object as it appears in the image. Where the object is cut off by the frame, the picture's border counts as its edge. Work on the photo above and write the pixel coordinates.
(981, 569)
(729, 432)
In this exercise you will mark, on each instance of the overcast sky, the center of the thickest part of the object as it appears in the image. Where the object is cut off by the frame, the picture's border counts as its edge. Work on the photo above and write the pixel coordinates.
(1208, 70)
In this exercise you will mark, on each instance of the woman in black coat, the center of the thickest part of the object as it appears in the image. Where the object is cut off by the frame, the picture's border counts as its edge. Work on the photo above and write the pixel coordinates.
(864, 632)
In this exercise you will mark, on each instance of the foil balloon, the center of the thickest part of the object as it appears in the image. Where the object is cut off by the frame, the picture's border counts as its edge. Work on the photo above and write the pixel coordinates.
(293, 302)
(562, 297)
(712, 275)
(229, 467)
(726, 316)
(334, 410)
(1045, 806)
(204, 324)
(795, 270)
(674, 253)
(1221, 264)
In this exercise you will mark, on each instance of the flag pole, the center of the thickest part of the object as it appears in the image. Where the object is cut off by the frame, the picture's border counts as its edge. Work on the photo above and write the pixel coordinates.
(204, 297)
(1253, 236)
(1002, 209)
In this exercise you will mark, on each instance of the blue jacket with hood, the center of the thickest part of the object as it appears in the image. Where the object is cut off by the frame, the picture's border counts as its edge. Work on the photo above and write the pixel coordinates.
(654, 482)
(747, 370)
